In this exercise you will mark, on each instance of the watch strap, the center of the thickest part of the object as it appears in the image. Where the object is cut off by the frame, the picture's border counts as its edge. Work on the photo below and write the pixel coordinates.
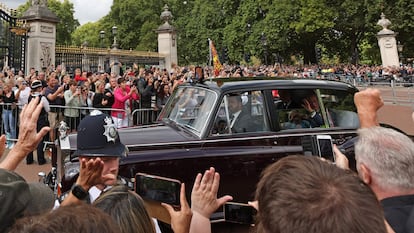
(79, 192)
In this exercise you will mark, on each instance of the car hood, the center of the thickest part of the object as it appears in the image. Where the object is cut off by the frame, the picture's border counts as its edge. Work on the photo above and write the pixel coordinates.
(147, 136)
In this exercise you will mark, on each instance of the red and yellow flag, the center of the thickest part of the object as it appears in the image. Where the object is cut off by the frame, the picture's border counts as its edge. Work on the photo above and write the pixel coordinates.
(217, 67)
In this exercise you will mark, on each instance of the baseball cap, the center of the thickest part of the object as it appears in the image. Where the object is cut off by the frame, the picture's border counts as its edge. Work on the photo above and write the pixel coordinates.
(18, 197)
(98, 136)
(36, 84)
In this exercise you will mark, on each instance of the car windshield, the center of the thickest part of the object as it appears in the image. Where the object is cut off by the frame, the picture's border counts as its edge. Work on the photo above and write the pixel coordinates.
(191, 108)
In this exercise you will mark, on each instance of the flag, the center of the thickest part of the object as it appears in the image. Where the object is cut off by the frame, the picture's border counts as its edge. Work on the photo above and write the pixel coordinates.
(217, 67)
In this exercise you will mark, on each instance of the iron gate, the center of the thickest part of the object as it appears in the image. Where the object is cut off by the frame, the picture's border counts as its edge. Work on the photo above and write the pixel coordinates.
(13, 37)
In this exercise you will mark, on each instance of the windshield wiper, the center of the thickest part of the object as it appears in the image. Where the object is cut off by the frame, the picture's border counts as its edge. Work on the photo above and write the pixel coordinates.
(172, 123)
(188, 127)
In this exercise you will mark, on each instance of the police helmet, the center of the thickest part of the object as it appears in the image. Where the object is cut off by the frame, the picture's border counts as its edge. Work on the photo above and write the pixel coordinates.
(98, 136)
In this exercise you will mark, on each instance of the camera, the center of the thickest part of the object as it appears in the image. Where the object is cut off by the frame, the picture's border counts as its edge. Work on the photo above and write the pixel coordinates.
(157, 188)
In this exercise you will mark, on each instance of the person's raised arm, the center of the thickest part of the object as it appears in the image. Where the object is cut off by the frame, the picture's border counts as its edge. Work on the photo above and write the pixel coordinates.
(181, 219)
(368, 102)
(204, 200)
(28, 139)
(90, 174)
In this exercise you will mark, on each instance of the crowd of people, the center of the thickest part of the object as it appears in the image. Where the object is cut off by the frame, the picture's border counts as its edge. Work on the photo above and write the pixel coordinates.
(295, 194)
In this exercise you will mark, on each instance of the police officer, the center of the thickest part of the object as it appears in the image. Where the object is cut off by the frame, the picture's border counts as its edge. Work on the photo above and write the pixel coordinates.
(99, 150)
(42, 121)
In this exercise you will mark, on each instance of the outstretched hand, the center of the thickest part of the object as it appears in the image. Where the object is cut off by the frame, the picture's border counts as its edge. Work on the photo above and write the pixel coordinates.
(181, 219)
(90, 173)
(204, 200)
(204, 195)
(29, 138)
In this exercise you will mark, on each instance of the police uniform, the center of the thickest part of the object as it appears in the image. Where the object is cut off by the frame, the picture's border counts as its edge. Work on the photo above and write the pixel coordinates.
(42, 121)
(97, 136)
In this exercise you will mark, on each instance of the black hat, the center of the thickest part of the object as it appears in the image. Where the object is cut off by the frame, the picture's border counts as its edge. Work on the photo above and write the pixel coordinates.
(36, 84)
(98, 136)
(18, 196)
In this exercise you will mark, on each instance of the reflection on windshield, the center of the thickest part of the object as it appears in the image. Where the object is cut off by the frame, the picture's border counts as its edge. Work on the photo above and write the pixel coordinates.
(191, 108)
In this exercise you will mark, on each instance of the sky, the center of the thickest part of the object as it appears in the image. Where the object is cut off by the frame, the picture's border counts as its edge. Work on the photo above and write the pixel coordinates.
(85, 10)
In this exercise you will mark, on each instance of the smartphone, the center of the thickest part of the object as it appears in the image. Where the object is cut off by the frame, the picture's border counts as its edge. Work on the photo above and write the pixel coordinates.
(157, 188)
(325, 147)
(239, 213)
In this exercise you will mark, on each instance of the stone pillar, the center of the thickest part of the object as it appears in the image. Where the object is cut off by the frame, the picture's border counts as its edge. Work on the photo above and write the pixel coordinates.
(387, 43)
(41, 39)
(167, 40)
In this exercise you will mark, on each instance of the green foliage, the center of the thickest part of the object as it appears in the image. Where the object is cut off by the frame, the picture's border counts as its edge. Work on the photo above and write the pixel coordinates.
(87, 32)
(345, 30)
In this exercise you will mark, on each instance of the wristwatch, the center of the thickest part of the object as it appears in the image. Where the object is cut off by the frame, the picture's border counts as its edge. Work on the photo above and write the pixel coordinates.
(79, 192)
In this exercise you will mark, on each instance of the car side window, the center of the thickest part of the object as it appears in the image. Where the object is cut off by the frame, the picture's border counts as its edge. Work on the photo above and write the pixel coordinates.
(240, 113)
(340, 108)
(315, 108)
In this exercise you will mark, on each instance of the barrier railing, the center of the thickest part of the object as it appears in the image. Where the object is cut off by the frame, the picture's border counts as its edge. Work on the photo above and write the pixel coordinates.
(10, 115)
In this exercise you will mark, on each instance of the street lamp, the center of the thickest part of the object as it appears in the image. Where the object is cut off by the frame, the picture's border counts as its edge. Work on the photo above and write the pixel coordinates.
(264, 43)
(114, 32)
(114, 64)
(400, 48)
(102, 36)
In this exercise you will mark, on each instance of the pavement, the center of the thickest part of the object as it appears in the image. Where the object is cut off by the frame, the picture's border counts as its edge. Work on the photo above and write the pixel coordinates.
(29, 172)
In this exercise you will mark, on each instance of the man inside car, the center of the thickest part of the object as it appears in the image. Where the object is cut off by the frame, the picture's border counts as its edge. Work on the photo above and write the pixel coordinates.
(240, 119)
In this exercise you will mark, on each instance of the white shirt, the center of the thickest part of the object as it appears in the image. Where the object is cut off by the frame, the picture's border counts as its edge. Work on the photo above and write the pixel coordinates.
(235, 115)
(23, 97)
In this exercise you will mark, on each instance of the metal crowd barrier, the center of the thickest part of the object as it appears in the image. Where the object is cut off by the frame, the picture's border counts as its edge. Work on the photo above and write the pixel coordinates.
(135, 118)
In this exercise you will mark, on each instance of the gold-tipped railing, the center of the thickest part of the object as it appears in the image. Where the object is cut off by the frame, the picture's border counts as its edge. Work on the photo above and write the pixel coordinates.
(104, 51)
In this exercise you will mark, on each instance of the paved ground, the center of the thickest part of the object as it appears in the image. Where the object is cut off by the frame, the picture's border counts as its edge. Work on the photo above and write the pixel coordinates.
(397, 115)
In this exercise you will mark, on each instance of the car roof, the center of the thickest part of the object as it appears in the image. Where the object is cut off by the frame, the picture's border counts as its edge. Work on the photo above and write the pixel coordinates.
(262, 83)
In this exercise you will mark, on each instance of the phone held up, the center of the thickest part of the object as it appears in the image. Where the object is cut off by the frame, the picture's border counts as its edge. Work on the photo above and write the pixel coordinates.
(157, 188)
(239, 213)
(320, 145)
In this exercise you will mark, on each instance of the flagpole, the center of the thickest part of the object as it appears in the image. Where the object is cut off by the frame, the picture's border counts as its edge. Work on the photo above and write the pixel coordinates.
(210, 58)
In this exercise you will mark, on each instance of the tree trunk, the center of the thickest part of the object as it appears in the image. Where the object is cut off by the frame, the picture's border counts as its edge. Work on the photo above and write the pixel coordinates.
(309, 54)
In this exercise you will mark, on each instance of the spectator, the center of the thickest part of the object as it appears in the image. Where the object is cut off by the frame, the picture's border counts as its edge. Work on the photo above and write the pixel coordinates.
(123, 96)
(127, 209)
(163, 96)
(55, 95)
(41, 122)
(15, 197)
(9, 113)
(146, 91)
(306, 194)
(22, 93)
(109, 91)
(79, 218)
(80, 76)
(385, 159)
(72, 99)
(100, 100)
(19, 198)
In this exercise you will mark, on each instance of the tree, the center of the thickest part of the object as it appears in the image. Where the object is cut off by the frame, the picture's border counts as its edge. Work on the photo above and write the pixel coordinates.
(88, 32)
